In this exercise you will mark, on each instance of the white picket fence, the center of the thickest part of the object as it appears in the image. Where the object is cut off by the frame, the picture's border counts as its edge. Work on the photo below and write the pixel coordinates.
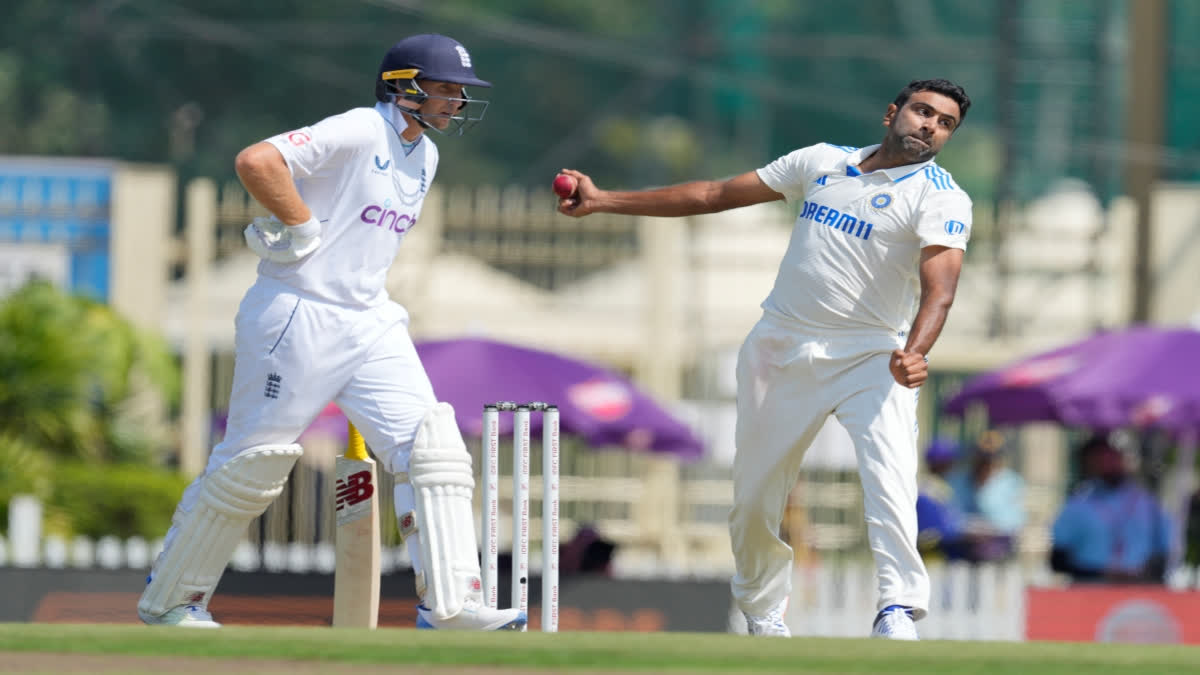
(830, 599)
(55, 552)
(970, 602)
(984, 602)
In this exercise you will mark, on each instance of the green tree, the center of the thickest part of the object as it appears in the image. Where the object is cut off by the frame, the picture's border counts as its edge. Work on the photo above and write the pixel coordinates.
(78, 381)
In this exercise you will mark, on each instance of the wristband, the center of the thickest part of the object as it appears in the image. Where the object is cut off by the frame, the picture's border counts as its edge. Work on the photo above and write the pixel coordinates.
(306, 230)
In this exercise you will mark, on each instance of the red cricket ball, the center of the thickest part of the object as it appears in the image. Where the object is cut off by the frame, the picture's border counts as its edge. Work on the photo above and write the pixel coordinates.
(564, 185)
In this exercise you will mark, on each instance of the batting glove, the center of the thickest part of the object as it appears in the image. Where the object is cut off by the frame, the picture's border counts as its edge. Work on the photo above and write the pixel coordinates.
(271, 240)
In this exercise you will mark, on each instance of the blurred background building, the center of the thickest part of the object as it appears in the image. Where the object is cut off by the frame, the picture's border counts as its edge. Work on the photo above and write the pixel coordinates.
(1080, 151)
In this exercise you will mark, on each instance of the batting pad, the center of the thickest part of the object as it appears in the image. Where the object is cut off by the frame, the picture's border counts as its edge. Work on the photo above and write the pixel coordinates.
(232, 496)
(443, 484)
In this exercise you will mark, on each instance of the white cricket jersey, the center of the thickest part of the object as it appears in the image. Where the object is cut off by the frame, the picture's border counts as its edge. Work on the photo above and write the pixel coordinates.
(352, 171)
(851, 267)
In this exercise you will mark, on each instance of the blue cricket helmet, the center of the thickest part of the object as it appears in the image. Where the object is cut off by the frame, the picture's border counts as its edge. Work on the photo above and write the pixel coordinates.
(432, 56)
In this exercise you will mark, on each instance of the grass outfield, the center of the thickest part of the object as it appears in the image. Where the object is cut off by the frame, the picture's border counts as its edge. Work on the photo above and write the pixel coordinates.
(598, 652)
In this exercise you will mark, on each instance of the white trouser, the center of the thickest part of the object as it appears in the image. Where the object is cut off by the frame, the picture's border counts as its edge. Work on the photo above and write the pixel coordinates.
(788, 385)
(294, 355)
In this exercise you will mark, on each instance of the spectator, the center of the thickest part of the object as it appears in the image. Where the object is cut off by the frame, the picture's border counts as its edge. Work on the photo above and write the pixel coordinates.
(1111, 529)
(588, 552)
(1192, 532)
(939, 523)
(940, 458)
(991, 496)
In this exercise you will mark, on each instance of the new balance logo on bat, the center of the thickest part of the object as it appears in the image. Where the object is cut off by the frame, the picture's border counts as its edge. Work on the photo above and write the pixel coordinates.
(354, 489)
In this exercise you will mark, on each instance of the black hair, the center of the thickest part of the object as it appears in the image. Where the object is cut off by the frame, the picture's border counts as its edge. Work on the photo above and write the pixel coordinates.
(943, 87)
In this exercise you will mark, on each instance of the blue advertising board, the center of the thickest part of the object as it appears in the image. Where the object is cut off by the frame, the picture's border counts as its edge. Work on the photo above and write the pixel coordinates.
(62, 202)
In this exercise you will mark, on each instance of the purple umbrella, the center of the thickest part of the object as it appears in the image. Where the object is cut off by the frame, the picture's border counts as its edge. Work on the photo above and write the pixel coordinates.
(598, 405)
(1141, 376)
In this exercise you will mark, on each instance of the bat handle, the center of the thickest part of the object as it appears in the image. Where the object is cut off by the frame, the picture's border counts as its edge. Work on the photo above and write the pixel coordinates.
(356, 447)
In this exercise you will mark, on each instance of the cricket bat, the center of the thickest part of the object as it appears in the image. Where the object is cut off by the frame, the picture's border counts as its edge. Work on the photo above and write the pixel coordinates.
(356, 574)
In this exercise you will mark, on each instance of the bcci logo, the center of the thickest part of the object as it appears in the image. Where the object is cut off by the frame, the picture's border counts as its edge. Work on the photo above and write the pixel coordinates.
(881, 201)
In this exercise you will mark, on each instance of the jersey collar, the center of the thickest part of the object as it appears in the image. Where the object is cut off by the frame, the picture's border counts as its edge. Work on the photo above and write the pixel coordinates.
(896, 173)
(394, 118)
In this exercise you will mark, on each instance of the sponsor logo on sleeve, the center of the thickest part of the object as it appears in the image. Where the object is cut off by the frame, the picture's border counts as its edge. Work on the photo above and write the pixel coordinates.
(298, 138)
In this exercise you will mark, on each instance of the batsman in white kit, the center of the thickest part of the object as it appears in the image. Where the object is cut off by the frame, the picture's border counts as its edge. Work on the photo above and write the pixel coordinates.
(318, 326)
(862, 293)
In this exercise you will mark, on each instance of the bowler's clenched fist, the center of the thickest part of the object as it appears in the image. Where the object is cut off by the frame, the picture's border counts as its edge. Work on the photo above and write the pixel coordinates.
(909, 368)
(583, 201)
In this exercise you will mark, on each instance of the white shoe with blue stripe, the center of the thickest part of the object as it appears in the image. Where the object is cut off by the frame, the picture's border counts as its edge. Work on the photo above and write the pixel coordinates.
(895, 622)
(183, 616)
(771, 624)
(473, 616)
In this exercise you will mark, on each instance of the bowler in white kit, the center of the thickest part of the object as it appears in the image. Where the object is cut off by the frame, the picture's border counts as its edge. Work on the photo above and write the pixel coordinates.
(318, 326)
(862, 294)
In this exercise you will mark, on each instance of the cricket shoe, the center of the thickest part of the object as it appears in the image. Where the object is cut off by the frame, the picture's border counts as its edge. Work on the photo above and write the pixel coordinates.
(184, 616)
(894, 622)
(770, 624)
(474, 616)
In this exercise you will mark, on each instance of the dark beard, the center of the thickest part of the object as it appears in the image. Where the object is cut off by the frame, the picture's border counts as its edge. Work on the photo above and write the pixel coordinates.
(894, 146)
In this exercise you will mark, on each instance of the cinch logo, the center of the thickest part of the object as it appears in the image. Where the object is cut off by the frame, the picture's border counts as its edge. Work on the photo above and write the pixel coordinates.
(387, 217)
(356, 488)
(955, 227)
(851, 225)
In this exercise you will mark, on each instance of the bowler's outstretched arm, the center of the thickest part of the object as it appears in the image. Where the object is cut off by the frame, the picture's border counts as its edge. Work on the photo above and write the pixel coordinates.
(685, 199)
